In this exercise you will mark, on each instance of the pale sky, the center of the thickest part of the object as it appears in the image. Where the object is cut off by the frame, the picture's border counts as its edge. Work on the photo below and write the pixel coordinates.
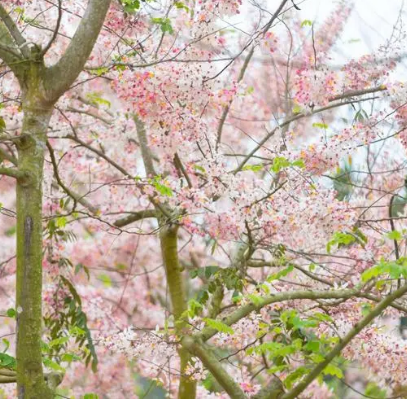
(371, 22)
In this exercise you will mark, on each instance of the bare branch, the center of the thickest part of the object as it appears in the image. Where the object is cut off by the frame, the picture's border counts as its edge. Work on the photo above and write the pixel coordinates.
(7, 380)
(287, 122)
(77, 197)
(101, 154)
(7, 372)
(226, 109)
(145, 150)
(56, 30)
(135, 216)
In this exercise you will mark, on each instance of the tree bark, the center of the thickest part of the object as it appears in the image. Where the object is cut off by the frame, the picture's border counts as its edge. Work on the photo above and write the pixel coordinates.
(31, 146)
(169, 248)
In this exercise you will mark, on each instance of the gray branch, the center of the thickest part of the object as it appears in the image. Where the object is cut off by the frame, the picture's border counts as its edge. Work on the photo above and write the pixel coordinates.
(66, 70)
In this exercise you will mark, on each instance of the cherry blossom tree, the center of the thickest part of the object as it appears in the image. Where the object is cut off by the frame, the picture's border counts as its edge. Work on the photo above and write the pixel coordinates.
(201, 207)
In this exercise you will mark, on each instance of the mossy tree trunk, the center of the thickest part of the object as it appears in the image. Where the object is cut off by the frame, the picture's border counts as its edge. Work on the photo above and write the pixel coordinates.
(31, 146)
(41, 87)
(169, 249)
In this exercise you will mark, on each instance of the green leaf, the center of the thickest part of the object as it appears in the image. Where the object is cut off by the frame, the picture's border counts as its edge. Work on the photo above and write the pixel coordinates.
(395, 269)
(394, 235)
(95, 99)
(165, 24)
(61, 222)
(72, 290)
(331, 369)
(280, 163)
(372, 390)
(76, 331)
(53, 365)
(340, 239)
(199, 168)
(2, 124)
(250, 90)
(106, 280)
(58, 341)
(11, 231)
(214, 246)
(6, 343)
(80, 267)
(255, 299)
(11, 312)
(366, 309)
(312, 346)
(219, 326)
(194, 308)
(91, 396)
(299, 163)
(181, 6)
(253, 168)
(317, 358)
(306, 22)
(100, 71)
(282, 273)
(70, 357)
(206, 272)
(7, 361)
(320, 125)
(161, 187)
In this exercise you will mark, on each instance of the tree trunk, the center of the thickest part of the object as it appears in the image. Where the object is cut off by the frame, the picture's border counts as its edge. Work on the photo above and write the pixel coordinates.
(169, 248)
(31, 146)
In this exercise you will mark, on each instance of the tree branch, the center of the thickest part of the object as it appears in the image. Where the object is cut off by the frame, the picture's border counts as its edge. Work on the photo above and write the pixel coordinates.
(7, 380)
(15, 32)
(5, 155)
(17, 174)
(56, 30)
(77, 197)
(226, 109)
(145, 150)
(286, 123)
(67, 69)
(355, 93)
(135, 216)
(272, 390)
(8, 52)
(294, 393)
(209, 360)
(245, 310)
(101, 154)
(7, 372)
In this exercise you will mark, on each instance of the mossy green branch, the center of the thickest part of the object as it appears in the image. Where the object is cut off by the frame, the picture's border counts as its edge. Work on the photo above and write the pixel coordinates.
(15, 173)
(209, 360)
(315, 372)
(169, 249)
(245, 310)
